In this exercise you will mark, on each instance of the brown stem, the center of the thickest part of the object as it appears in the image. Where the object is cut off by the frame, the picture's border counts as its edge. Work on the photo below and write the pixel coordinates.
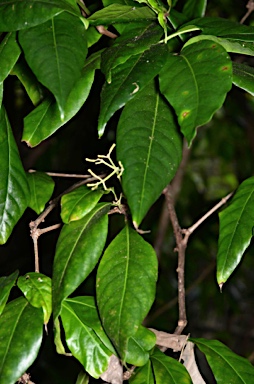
(180, 248)
(100, 28)
(250, 7)
(176, 185)
(56, 174)
(182, 237)
(190, 230)
(35, 232)
(103, 31)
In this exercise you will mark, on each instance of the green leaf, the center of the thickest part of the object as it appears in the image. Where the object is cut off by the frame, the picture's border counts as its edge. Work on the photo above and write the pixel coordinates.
(14, 190)
(79, 203)
(128, 79)
(92, 36)
(45, 119)
(196, 83)
(124, 2)
(16, 14)
(85, 308)
(139, 346)
(125, 286)
(176, 18)
(134, 42)
(77, 252)
(37, 289)
(1, 94)
(194, 8)
(83, 342)
(143, 375)
(82, 378)
(41, 188)
(21, 336)
(224, 28)
(33, 88)
(6, 284)
(57, 338)
(168, 370)
(243, 77)
(235, 46)
(56, 51)
(227, 367)
(149, 148)
(236, 230)
(9, 54)
(117, 13)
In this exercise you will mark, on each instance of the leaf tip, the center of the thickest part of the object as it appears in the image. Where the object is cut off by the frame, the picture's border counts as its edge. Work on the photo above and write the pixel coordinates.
(135, 224)
(101, 130)
(27, 143)
(221, 286)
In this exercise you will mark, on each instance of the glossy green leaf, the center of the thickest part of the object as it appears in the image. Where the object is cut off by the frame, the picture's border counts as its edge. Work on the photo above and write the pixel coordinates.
(236, 230)
(118, 13)
(143, 375)
(128, 79)
(125, 286)
(85, 308)
(6, 284)
(230, 45)
(14, 191)
(56, 51)
(196, 83)
(243, 77)
(9, 54)
(79, 203)
(168, 370)
(83, 342)
(227, 366)
(134, 42)
(32, 86)
(194, 8)
(41, 188)
(139, 346)
(37, 289)
(16, 14)
(149, 148)
(78, 249)
(21, 336)
(224, 28)
(45, 119)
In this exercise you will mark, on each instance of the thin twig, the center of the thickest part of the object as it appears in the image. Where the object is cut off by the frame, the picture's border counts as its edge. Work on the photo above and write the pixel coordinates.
(103, 31)
(100, 28)
(182, 237)
(175, 188)
(250, 7)
(35, 232)
(180, 248)
(66, 175)
(190, 230)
